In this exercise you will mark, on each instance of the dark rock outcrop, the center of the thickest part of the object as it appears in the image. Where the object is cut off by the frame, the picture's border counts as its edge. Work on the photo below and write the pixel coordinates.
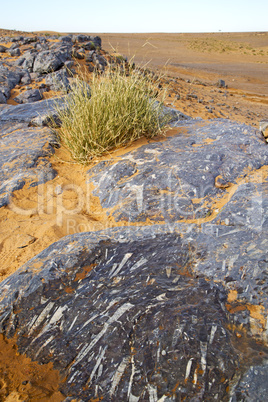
(175, 179)
(136, 320)
(24, 157)
(32, 95)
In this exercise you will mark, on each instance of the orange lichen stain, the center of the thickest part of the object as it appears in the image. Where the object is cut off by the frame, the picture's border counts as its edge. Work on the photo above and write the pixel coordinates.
(258, 313)
(68, 289)
(234, 309)
(219, 184)
(205, 141)
(232, 296)
(85, 272)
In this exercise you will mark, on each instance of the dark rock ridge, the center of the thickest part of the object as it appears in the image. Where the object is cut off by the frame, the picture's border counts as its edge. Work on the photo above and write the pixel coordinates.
(179, 178)
(39, 57)
(25, 150)
(136, 319)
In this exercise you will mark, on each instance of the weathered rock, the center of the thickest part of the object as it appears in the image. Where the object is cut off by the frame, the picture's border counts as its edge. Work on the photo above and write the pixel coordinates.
(29, 58)
(81, 38)
(14, 52)
(89, 46)
(136, 321)
(66, 39)
(32, 95)
(175, 179)
(3, 99)
(28, 39)
(47, 62)
(3, 49)
(37, 113)
(6, 92)
(24, 156)
(58, 81)
(26, 78)
(10, 77)
(221, 84)
(253, 385)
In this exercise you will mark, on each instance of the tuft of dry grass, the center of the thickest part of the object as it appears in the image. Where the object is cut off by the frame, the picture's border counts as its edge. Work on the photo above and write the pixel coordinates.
(112, 110)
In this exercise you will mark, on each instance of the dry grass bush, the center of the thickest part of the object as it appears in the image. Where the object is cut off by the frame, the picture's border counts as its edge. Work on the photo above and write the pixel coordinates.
(111, 110)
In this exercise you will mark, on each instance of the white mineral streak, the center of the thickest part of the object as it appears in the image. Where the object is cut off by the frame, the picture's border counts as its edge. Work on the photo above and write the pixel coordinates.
(38, 319)
(188, 368)
(152, 393)
(161, 297)
(138, 264)
(88, 321)
(72, 324)
(195, 377)
(118, 374)
(158, 353)
(116, 270)
(204, 348)
(44, 344)
(212, 333)
(131, 397)
(83, 352)
(98, 362)
(125, 307)
(168, 271)
(177, 334)
(163, 398)
(57, 315)
(221, 364)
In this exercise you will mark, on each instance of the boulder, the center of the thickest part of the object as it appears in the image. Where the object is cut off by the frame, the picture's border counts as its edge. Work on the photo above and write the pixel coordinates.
(66, 39)
(3, 99)
(24, 156)
(178, 179)
(58, 81)
(31, 95)
(81, 38)
(10, 77)
(26, 78)
(5, 91)
(37, 113)
(89, 45)
(123, 316)
(29, 58)
(47, 62)
(14, 52)
(3, 49)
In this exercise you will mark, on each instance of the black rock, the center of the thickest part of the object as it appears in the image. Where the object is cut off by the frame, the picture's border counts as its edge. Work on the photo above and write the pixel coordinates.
(32, 95)
(3, 49)
(66, 39)
(47, 62)
(24, 155)
(58, 81)
(176, 179)
(122, 315)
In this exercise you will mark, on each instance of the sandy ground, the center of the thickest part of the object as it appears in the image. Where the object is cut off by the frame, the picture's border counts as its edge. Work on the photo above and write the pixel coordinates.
(38, 217)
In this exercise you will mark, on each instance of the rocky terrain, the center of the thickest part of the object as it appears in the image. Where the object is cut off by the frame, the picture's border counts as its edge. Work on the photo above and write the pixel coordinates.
(143, 276)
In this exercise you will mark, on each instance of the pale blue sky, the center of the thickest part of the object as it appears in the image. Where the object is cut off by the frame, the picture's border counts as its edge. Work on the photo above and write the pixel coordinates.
(135, 16)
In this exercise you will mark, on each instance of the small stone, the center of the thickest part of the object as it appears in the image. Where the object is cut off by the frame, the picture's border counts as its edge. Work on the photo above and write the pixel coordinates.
(25, 240)
(221, 84)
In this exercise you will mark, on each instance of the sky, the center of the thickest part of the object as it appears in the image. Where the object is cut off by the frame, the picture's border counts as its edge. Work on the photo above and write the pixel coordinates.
(97, 16)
